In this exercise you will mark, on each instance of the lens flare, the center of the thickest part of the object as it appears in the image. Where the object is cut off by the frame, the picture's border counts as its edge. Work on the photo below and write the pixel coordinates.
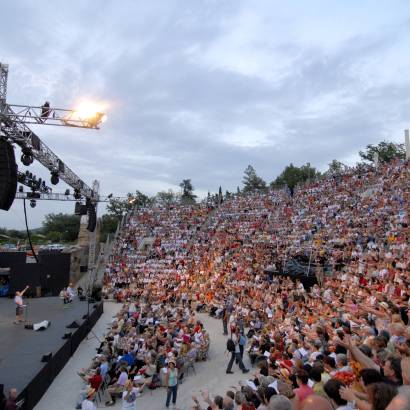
(89, 112)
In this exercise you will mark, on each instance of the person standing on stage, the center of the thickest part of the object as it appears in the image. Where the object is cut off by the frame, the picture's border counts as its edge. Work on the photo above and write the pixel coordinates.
(18, 301)
(71, 292)
(11, 401)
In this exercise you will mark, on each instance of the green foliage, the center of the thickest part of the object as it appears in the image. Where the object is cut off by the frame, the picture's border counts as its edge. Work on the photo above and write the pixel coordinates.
(292, 176)
(336, 167)
(108, 226)
(66, 226)
(119, 207)
(166, 197)
(386, 151)
(187, 196)
(251, 181)
(11, 235)
(54, 236)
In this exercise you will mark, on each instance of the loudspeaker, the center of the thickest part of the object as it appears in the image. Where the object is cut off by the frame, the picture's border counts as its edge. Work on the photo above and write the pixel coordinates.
(8, 175)
(80, 209)
(92, 218)
(46, 357)
(73, 325)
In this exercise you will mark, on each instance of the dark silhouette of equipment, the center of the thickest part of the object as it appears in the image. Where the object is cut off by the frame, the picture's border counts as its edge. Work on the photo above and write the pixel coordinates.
(8, 175)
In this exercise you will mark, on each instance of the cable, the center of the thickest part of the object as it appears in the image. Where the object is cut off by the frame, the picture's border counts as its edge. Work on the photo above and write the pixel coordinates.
(28, 232)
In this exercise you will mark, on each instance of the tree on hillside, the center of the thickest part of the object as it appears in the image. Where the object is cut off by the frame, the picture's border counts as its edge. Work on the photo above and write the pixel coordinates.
(336, 167)
(187, 195)
(119, 207)
(292, 176)
(386, 151)
(61, 227)
(108, 226)
(166, 197)
(251, 181)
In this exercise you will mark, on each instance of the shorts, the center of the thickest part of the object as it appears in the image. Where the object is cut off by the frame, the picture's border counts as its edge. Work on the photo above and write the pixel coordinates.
(19, 310)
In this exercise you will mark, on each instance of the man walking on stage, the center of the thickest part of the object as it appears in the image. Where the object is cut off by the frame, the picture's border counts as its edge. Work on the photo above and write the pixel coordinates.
(18, 301)
(233, 348)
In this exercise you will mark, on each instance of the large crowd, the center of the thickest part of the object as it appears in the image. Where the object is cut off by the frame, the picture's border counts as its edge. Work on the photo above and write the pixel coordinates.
(343, 343)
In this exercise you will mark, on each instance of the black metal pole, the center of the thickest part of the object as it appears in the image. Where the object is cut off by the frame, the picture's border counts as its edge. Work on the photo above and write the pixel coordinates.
(28, 232)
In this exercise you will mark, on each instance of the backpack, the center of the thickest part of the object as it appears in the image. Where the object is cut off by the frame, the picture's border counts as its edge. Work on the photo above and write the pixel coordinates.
(155, 383)
(230, 345)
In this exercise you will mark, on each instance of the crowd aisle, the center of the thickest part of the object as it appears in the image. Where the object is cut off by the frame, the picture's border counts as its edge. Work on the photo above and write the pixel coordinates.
(209, 375)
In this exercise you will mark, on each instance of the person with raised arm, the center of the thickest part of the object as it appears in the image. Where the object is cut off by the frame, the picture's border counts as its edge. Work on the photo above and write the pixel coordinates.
(18, 301)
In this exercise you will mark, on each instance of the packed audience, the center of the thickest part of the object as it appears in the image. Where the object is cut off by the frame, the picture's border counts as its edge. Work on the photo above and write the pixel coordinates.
(343, 343)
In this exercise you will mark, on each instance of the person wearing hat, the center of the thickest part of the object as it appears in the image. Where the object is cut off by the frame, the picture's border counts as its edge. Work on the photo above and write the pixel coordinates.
(87, 403)
(171, 382)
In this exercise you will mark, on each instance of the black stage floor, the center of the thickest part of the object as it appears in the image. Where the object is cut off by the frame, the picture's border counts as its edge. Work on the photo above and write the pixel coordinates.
(21, 349)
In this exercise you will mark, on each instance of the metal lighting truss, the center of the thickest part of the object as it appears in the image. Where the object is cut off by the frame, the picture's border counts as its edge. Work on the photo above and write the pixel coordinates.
(13, 120)
(53, 196)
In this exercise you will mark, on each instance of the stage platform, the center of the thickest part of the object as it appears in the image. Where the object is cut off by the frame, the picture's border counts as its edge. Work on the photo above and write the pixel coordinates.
(21, 350)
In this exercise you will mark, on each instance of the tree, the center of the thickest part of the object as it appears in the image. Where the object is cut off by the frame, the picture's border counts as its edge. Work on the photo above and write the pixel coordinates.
(61, 227)
(251, 181)
(166, 197)
(119, 207)
(108, 225)
(336, 167)
(386, 152)
(292, 176)
(187, 196)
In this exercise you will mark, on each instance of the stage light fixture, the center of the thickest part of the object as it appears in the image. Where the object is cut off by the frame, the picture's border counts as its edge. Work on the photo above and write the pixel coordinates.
(54, 178)
(27, 156)
(33, 203)
(67, 192)
(21, 189)
(26, 160)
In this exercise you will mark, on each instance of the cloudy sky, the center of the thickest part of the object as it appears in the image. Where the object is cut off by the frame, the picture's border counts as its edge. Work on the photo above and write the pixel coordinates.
(201, 88)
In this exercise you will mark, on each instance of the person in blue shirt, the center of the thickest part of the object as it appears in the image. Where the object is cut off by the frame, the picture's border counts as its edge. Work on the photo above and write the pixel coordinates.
(129, 358)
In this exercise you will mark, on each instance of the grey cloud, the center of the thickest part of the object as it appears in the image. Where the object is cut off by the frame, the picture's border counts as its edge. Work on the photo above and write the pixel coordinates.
(171, 115)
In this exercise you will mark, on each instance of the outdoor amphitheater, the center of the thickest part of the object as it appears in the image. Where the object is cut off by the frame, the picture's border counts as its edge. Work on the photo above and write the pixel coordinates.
(142, 268)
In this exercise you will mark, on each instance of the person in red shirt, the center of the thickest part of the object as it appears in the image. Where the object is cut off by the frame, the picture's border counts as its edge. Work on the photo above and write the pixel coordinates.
(94, 380)
(303, 390)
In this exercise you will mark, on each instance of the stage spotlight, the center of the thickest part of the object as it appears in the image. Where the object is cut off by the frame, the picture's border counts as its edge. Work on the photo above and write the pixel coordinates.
(26, 156)
(67, 192)
(26, 160)
(21, 189)
(54, 178)
(33, 203)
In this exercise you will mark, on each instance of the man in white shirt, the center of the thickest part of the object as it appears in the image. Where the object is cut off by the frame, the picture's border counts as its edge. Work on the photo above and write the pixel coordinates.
(88, 404)
(70, 292)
